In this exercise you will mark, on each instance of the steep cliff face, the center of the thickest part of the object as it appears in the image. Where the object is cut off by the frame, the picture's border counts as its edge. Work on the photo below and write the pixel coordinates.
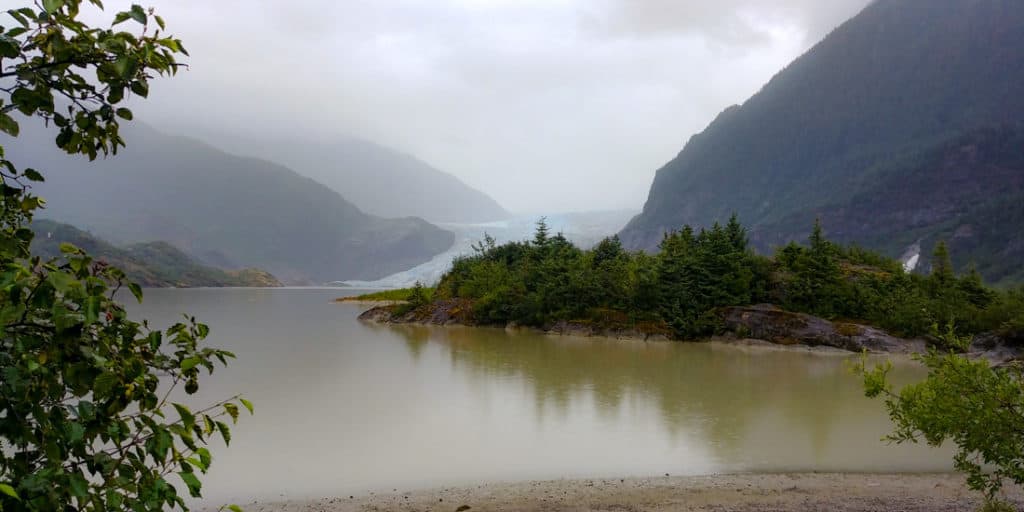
(854, 130)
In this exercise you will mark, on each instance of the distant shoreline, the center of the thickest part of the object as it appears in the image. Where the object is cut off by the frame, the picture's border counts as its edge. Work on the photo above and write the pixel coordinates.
(842, 492)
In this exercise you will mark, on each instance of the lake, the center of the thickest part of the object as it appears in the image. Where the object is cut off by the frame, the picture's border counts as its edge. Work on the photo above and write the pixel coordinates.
(343, 407)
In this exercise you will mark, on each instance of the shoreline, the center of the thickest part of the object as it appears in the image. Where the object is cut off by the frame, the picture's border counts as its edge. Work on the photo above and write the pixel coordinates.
(761, 327)
(756, 492)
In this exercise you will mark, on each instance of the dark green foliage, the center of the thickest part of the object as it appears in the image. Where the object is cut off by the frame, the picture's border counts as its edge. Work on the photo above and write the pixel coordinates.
(849, 283)
(695, 274)
(903, 125)
(151, 264)
(1006, 311)
(549, 279)
(700, 273)
(86, 417)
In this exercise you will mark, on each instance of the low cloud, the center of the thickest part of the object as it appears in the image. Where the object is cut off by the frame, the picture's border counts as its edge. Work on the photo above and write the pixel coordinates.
(544, 104)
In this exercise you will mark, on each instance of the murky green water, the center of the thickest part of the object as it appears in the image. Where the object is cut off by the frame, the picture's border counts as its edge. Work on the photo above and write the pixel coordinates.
(344, 407)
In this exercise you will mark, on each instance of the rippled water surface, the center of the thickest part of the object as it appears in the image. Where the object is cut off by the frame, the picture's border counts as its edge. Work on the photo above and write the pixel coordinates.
(344, 407)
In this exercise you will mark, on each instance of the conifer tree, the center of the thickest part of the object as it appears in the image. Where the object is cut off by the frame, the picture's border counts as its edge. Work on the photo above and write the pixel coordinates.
(540, 235)
(942, 265)
(737, 234)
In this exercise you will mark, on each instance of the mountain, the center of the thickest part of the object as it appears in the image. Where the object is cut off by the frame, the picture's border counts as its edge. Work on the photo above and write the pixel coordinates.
(229, 211)
(151, 264)
(379, 180)
(900, 127)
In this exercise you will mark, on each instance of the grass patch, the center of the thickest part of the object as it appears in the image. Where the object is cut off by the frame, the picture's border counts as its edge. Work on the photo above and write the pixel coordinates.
(399, 295)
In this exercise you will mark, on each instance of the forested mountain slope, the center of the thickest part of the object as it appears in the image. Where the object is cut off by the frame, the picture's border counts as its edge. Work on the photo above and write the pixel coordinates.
(153, 264)
(894, 130)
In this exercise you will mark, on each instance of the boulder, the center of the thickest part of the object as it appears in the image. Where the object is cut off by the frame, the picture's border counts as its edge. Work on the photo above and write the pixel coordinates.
(772, 324)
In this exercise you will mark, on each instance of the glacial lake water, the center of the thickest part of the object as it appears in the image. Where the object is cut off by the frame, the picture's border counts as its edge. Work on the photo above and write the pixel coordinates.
(348, 408)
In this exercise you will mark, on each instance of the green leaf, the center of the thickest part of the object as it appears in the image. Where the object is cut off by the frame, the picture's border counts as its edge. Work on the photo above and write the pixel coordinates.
(247, 404)
(136, 291)
(92, 309)
(192, 482)
(8, 490)
(187, 418)
(104, 384)
(121, 17)
(79, 485)
(140, 88)
(75, 432)
(125, 114)
(138, 13)
(8, 45)
(8, 125)
(33, 175)
(189, 363)
(19, 17)
(232, 411)
(61, 281)
(52, 6)
(161, 444)
(225, 432)
(204, 457)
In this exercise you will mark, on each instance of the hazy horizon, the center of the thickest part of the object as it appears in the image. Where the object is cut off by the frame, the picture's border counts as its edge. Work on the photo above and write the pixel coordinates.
(544, 106)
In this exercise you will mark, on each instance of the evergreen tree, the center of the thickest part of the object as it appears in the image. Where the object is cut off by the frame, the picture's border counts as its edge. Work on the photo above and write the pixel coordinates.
(819, 244)
(942, 265)
(608, 249)
(737, 234)
(973, 287)
(540, 235)
(418, 296)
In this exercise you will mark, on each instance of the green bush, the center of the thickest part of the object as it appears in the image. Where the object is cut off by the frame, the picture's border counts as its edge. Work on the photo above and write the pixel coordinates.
(978, 408)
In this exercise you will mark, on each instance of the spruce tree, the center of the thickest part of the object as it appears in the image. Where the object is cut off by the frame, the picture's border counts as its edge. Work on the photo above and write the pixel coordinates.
(942, 264)
(540, 235)
(737, 234)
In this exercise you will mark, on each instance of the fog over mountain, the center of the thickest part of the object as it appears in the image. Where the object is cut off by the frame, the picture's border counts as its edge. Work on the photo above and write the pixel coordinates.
(228, 211)
(378, 180)
(544, 106)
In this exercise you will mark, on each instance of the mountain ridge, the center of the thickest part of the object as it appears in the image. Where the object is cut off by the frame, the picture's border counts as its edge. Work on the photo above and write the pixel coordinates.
(240, 211)
(901, 79)
(150, 264)
(377, 179)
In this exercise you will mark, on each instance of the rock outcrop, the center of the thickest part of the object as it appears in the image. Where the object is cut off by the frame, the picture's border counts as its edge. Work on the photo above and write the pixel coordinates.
(772, 324)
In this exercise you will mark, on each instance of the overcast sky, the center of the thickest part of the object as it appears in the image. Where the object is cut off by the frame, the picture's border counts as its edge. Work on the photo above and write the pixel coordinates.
(546, 105)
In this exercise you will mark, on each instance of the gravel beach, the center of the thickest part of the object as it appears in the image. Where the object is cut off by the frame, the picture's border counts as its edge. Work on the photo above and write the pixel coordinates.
(720, 493)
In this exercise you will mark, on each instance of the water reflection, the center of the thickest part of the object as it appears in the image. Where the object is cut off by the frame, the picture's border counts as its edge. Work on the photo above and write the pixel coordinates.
(345, 407)
(753, 409)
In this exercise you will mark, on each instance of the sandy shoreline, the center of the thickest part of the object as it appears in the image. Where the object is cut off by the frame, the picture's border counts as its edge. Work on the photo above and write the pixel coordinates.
(721, 493)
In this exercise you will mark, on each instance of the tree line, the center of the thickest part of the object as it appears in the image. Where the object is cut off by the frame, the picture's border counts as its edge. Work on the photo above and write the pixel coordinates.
(698, 271)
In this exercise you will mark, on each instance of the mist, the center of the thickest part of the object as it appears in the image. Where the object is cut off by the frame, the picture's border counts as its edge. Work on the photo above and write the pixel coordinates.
(544, 105)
